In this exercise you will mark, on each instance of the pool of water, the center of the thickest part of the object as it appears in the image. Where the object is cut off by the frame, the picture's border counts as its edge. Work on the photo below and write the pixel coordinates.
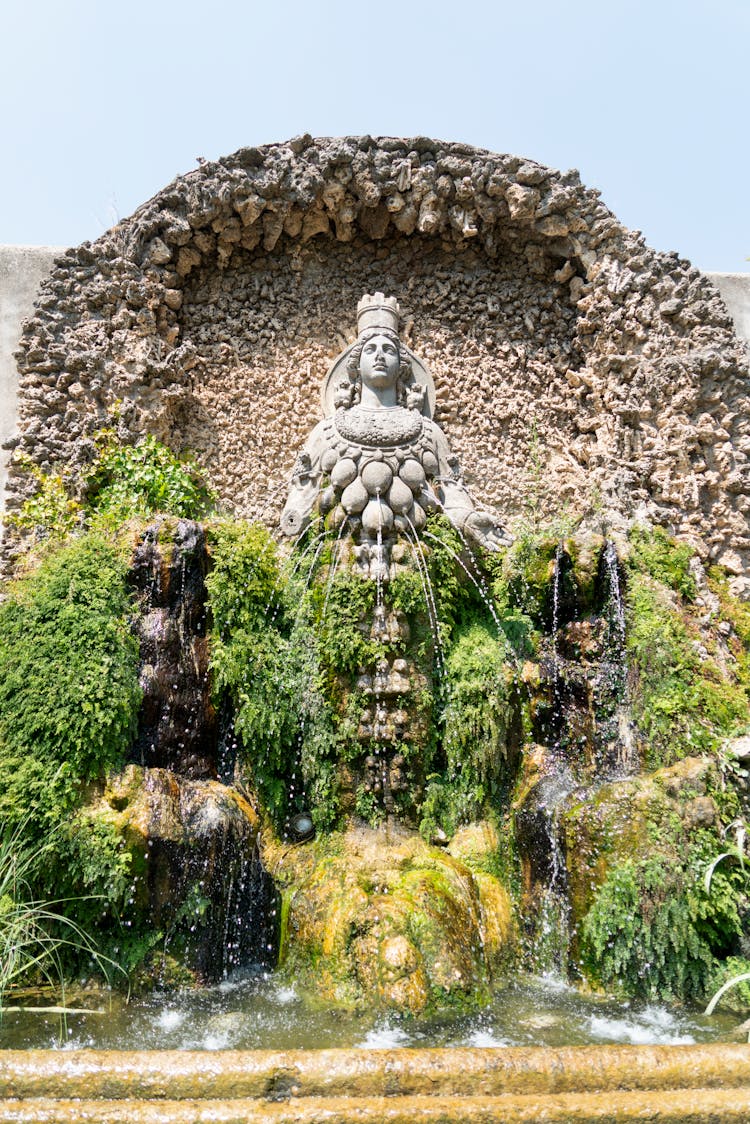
(260, 1013)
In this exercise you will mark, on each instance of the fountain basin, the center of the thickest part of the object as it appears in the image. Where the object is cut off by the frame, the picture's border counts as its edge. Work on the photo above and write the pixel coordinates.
(613, 1083)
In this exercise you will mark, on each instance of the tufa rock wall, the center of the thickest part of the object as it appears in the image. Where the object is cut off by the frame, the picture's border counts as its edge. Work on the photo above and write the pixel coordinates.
(573, 364)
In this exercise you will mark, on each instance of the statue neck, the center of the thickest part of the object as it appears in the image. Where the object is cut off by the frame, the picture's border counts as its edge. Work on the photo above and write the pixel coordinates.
(380, 399)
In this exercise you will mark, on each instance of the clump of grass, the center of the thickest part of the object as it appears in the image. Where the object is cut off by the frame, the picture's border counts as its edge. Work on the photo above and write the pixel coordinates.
(35, 938)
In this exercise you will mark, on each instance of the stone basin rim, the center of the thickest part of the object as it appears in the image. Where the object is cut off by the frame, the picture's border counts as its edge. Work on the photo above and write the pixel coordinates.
(360, 1072)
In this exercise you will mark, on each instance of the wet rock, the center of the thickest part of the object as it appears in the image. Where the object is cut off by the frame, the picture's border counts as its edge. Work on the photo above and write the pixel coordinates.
(698, 813)
(196, 874)
(380, 918)
(177, 724)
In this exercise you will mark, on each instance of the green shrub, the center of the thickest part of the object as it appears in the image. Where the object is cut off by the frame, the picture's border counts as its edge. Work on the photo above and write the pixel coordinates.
(449, 586)
(125, 482)
(477, 718)
(654, 932)
(135, 481)
(342, 615)
(731, 986)
(737, 613)
(264, 661)
(69, 699)
(69, 692)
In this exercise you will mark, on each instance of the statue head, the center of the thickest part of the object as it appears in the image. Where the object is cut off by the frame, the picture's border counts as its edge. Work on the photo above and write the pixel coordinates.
(378, 361)
(376, 358)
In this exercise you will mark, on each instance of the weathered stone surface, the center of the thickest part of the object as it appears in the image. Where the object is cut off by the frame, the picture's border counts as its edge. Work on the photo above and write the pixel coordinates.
(192, 847)
(551, 330)
(679, 1084)
(378, 917)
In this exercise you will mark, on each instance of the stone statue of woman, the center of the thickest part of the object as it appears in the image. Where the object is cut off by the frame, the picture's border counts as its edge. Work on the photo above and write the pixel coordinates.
(377, 460)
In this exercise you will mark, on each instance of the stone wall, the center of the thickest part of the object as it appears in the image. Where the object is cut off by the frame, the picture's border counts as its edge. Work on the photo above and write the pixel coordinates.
(22, 269)
(574, 366)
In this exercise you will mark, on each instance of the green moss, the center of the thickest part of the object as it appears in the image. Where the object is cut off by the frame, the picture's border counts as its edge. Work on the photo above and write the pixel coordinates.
(657, 554)
(585, 554)
(527, 577)
(682, 703)
(737, 613)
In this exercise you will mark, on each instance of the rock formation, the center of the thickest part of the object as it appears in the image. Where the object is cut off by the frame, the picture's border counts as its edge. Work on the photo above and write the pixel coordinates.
(567, 354)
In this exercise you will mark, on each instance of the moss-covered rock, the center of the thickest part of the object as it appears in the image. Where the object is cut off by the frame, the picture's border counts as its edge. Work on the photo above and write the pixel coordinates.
(637, 851)
(381, 918)
(628, 818)
(189, 847)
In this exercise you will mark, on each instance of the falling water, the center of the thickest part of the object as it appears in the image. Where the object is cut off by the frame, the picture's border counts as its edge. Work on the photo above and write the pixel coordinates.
(616, 603)
(480, 588)
(252, 918)
(556, 576)
(614, 671)
(429, 592)
(334, 564)
(379, 561)
(551, 939)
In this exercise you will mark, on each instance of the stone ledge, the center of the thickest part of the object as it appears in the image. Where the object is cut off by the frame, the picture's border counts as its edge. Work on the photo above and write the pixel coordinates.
(705, 1106)
(460, 1072)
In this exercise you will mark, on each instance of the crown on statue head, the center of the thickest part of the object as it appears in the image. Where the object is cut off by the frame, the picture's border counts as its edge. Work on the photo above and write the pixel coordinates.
(378, 311)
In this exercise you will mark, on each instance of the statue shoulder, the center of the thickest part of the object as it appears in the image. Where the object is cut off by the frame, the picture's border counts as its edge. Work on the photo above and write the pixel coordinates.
(436, 437)
(319, 439)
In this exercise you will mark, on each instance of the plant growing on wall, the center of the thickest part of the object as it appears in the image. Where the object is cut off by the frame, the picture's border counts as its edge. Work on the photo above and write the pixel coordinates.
(125, 481)
(684, 699)
(69, 699)
(130, 481)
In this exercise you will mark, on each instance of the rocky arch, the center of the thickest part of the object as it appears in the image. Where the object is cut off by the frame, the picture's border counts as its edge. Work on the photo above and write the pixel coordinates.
(570, 358)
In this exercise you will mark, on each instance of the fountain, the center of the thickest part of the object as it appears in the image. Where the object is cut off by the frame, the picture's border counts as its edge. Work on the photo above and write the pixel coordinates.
(368, 757)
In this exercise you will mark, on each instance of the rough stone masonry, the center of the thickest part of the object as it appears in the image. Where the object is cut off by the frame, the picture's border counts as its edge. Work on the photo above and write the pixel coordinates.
(577, 369)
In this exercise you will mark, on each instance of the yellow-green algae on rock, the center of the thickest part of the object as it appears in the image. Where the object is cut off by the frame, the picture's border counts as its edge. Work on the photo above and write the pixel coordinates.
(627, 818)
(378, 916)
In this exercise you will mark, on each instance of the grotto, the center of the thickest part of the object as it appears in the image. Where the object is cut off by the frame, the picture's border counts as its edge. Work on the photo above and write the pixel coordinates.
(374, 653)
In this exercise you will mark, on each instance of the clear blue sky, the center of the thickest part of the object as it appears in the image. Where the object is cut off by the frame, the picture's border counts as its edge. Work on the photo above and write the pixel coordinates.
(103, 103)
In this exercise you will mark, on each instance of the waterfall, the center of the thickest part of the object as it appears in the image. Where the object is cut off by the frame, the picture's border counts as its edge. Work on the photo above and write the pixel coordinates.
(619, 750)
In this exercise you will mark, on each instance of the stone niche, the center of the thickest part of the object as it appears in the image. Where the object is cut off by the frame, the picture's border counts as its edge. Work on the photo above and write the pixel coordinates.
(576, 368)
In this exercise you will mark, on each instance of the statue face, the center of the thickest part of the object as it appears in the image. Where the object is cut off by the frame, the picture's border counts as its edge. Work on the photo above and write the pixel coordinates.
(380, 362)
